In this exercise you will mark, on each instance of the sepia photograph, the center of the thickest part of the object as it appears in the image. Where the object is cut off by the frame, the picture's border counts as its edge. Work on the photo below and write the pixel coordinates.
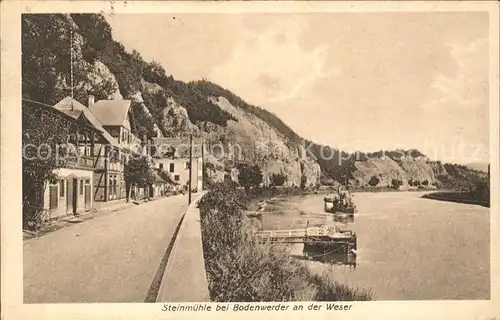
(255, 156)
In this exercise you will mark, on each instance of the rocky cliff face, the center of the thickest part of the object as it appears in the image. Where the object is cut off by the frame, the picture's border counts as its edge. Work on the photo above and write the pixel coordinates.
(175, 120)
(248, 138)
(385, 169)
(406, 169)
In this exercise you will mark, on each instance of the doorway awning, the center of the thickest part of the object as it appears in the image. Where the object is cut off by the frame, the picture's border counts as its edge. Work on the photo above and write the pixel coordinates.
(72, 175)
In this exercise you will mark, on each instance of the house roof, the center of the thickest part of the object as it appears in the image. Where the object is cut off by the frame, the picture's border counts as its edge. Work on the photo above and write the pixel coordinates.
(112, 112)
(168, 175)
(158, 178)
(76, 110)
(112, 141)
(70, 106)
(68, 117)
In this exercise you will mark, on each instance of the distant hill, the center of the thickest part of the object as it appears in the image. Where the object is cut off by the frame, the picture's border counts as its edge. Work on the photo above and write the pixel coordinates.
(409, 168)
(480, 166)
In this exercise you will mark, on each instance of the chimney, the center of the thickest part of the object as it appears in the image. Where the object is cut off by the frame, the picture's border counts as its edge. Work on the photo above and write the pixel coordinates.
(91, 100)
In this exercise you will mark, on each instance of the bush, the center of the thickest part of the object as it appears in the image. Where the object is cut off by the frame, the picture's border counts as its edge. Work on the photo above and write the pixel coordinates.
(374, 181)
(396, 183)
(278, 179)
(481, 192)
(326, 181)
(249, 175)
(330, 290)
(303, 181)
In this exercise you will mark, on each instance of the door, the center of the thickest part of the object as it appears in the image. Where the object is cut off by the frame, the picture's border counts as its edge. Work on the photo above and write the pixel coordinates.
(87, 197)
(69, 197)
(53, 198)
(75, 194)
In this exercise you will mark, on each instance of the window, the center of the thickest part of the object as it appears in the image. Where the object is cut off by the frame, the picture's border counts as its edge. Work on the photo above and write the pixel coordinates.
(187, 165)
(61, 188)
(171, 167)
(170, 152)
(176, 177)
(87, 181)
(161, 166)
(81, 187)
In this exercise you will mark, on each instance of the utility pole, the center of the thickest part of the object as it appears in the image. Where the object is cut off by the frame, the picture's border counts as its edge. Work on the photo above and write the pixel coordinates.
(202, 165)
(190, 164)
(71, 66)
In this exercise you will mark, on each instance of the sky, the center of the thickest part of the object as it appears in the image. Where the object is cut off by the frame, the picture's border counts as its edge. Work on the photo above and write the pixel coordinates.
(354, 81)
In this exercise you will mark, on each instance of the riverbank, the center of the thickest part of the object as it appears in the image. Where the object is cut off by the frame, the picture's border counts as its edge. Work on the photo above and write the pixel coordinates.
(241, 270)
(456, 196)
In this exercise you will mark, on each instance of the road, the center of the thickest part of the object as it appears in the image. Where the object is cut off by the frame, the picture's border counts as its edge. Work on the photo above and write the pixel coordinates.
(110, 258)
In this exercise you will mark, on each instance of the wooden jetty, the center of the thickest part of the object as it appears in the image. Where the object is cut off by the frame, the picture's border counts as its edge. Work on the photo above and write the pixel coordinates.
(324, 236)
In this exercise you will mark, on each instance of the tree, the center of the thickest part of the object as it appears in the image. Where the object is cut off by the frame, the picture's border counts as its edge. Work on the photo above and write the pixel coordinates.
(425, 182)
(137, 172)
(46, 55)
(374, 181)
(249, 176)
(40, 156)
(278, 179)
(396, 183)
(144, 122)
(47, 59)
(481, 191)
(303, 181)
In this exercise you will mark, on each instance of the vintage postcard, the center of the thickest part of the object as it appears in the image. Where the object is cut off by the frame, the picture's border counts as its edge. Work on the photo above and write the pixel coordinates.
(277, 159)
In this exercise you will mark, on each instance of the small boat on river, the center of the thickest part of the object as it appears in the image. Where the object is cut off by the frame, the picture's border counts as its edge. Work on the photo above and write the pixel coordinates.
(340, 202)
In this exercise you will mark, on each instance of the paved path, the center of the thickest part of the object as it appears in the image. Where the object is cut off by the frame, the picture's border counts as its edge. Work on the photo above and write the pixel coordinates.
(111, 258)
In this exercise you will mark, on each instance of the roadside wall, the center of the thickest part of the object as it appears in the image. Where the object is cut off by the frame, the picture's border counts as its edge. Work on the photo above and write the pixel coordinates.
(185, 278)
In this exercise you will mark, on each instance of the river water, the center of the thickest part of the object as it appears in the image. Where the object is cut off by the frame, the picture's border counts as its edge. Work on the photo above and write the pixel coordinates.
(409, 248)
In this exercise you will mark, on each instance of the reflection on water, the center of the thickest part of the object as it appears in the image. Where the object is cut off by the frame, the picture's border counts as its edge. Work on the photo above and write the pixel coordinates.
(343, 218)
(338, 255)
